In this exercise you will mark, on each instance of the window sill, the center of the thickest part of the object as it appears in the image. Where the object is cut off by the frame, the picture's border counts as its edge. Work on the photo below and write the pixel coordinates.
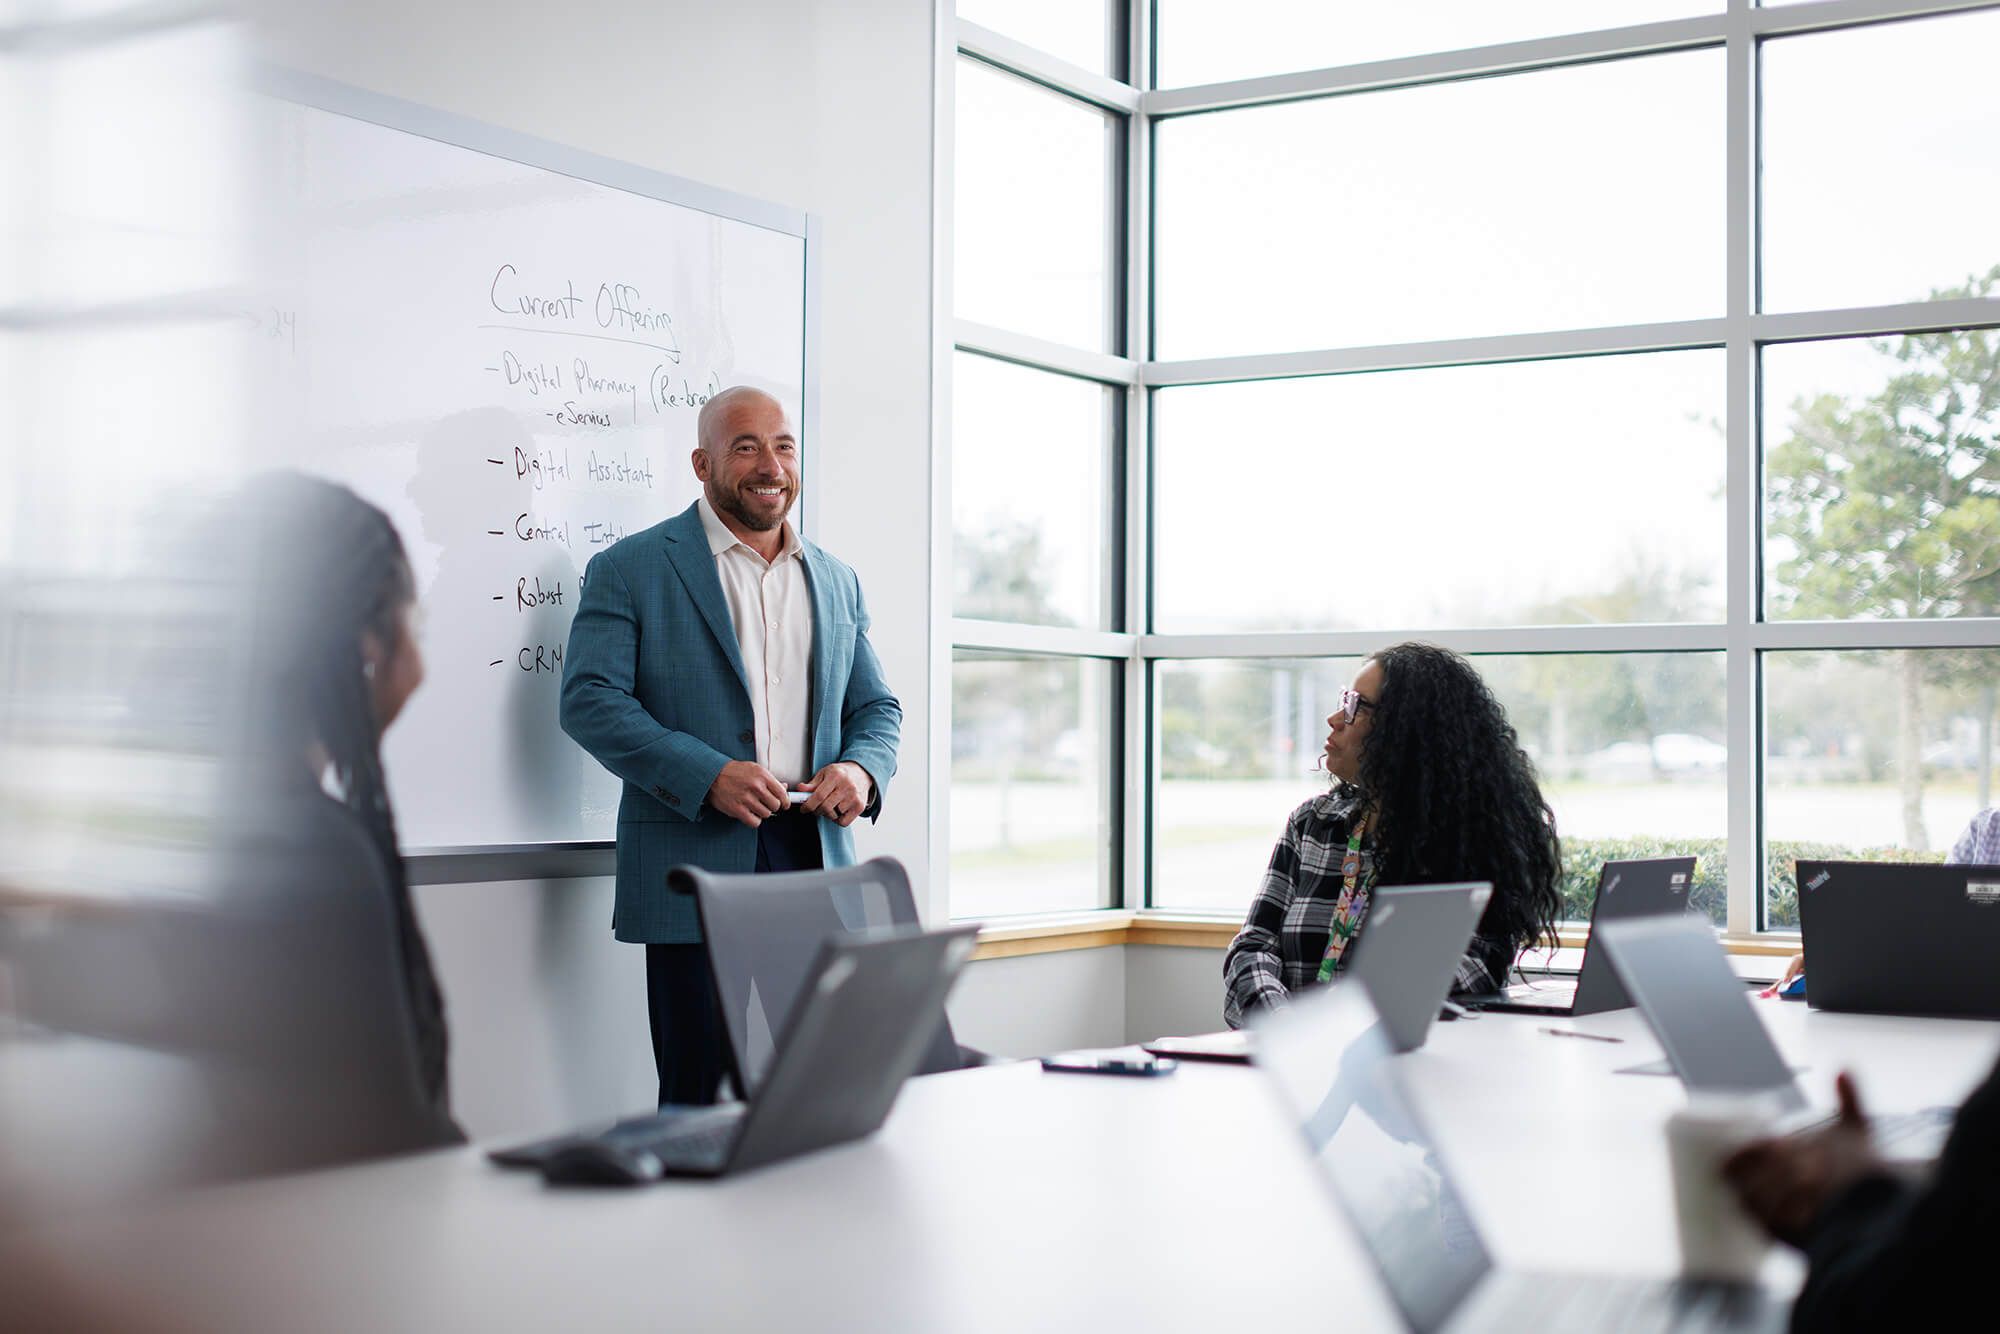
(1055, 934)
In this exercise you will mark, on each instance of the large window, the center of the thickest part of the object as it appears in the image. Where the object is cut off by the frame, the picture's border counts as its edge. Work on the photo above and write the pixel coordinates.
(1039, 652)
(1649, 365)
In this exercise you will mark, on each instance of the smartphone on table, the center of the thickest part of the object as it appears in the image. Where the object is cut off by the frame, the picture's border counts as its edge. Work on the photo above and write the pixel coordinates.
(1111, 1061)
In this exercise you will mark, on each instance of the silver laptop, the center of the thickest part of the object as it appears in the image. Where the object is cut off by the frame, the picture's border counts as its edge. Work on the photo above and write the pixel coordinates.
(1701, 1013)
(1409, 950)
(857, 1031)
(763, 933)
(1331, 1061)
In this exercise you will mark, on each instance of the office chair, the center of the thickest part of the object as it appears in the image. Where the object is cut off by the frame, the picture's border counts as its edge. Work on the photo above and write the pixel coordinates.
(764, 930)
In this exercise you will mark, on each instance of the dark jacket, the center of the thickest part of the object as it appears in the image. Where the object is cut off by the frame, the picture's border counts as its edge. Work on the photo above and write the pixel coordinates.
(1887, 1254)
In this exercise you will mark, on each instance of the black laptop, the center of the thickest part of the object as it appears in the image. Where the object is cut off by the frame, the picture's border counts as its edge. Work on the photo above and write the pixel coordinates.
(1651, 887)
(859, 1028)
(1901, 938)
(1331, 1062)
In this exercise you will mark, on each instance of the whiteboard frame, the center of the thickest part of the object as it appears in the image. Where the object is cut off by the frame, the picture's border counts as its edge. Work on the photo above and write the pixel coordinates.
(561, 860)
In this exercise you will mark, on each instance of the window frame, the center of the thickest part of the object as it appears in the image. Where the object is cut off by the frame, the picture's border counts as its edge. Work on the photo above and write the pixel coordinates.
(1744, 636)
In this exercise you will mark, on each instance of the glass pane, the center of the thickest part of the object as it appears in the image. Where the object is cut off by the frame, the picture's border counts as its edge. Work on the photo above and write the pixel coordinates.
(1083, 32)
(1031, 485)
(1032, 828)
(133, 179)
(1629, 748)
(1200, 41)
(1880, 756)
(1885, 197)
(1587, 490)
(1882, 477)
(1033, 214)
(96, 486)
(1566, 198)
(23, 134)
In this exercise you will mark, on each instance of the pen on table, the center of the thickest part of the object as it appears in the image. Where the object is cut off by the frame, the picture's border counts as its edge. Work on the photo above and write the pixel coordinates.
(1578, 1033)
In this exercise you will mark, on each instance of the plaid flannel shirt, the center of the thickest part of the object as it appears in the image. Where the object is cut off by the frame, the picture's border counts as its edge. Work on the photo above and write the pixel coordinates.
(1980, 843)
(1283, 940)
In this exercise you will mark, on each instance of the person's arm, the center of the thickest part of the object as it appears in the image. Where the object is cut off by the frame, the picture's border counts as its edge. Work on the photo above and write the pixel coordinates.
(1484, 967)
(1886, 1255)
(1253, 970)
(1978, 840)
(871, 718)
(1882, 1254)
(600, 712)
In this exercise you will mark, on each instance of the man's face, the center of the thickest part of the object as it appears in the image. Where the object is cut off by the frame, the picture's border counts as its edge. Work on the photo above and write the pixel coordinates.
(750, 468)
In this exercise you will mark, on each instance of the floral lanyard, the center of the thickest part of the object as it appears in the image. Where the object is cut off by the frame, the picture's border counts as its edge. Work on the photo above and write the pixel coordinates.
(1352, 905)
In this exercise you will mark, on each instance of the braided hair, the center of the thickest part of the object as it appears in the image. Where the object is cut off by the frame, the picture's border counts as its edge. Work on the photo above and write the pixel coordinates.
(1455, 797)
(328, 567)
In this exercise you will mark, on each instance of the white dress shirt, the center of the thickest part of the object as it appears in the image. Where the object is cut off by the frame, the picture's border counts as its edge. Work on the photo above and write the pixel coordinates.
(771, 605)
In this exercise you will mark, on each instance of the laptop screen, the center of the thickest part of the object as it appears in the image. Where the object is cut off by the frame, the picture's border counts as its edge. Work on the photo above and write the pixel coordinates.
(1698, 1008)
(762, 943)
(1331, 1061)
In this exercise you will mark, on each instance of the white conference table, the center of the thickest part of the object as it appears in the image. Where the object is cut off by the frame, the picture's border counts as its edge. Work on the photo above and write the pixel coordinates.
(994, 1199)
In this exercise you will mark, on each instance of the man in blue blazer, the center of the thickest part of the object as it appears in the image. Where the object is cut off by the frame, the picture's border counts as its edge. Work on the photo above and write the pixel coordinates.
(720, 665)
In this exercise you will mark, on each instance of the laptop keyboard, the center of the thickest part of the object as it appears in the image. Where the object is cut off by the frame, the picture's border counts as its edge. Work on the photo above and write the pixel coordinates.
(1623, 1305)
(680, 1138)
(1897, 1128)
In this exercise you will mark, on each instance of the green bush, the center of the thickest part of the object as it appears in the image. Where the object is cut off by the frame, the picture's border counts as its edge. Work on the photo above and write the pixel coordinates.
(1583, 857)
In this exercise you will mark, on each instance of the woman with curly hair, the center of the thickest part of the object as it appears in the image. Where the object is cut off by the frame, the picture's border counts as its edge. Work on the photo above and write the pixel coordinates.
(1431, 785)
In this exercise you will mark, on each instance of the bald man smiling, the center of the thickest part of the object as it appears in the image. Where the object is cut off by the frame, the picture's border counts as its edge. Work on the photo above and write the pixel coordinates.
(719, 663)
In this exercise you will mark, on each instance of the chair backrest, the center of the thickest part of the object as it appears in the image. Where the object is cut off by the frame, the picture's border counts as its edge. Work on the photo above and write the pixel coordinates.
(764, 931)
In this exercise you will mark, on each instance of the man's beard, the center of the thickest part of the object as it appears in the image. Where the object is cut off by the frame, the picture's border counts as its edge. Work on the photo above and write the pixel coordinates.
(732, 505)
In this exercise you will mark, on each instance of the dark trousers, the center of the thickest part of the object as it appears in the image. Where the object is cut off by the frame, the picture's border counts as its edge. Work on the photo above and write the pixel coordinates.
(690, 1046)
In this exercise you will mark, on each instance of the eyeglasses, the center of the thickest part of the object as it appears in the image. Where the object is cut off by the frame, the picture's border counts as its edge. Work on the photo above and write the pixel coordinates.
(1352, 702)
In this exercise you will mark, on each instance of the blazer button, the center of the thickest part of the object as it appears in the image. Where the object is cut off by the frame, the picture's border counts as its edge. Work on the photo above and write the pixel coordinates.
(747, 738)
(660, 792)
(673, 800)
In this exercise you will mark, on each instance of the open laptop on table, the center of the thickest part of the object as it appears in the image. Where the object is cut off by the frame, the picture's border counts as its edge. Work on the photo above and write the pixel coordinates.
(1701, 1012)
(1409, 949)
(1331, 1062)
(1406, 956)
(1625, 889)
(858, 1030)
(1897, 938)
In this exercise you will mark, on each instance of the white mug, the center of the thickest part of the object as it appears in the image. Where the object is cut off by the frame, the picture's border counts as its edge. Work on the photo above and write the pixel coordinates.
(1718, 1240)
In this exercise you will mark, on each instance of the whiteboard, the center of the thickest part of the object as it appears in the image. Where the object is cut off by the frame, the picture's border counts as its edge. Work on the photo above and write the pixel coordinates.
(504, 344)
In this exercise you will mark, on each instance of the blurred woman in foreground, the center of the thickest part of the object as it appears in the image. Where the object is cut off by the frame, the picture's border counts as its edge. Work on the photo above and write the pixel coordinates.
(352, 1060)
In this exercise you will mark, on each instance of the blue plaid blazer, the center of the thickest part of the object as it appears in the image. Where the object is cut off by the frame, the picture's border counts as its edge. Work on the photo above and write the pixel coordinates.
(654, 687)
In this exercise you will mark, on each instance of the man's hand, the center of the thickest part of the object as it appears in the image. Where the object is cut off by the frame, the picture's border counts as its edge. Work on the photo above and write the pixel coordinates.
(840, 792)
(1785, 1183)
(747, 791)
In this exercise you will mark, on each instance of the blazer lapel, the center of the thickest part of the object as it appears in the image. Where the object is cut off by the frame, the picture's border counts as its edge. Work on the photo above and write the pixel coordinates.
(819, 582)
(687, 551)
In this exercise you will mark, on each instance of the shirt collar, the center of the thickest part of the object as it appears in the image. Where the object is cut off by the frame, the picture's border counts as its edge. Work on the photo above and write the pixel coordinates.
(720, 539)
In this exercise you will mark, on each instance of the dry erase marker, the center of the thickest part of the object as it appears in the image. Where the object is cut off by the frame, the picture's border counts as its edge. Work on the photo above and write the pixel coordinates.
(1578, 1033)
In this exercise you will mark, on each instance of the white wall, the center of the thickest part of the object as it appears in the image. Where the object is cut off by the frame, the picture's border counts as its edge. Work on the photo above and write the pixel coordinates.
(1171, 989)
(1039, 1003)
